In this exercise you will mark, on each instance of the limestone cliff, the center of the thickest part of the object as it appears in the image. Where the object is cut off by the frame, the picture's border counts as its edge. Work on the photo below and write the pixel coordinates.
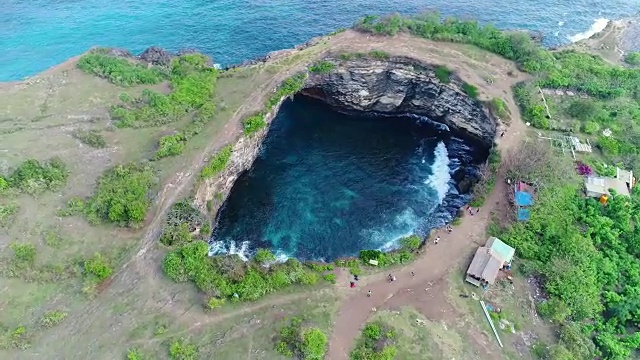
(402, 86)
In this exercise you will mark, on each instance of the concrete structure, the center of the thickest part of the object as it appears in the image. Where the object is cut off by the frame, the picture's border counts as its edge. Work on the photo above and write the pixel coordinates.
(488, 261)
(622, 184)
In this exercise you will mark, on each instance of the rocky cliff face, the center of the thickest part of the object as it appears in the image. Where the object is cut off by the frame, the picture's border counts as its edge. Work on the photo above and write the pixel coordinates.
(402, 86)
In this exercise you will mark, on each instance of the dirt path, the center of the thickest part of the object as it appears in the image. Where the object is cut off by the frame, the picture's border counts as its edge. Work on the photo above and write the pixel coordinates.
(431, 267)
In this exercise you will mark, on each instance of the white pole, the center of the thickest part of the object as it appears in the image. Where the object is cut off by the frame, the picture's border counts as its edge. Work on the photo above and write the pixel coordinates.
(486, 313)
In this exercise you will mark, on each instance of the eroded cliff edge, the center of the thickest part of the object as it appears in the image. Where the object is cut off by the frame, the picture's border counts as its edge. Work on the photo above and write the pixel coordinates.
(400, 85)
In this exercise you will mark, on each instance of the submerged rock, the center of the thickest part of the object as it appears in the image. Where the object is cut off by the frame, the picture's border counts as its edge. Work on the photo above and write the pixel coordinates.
(403, 86)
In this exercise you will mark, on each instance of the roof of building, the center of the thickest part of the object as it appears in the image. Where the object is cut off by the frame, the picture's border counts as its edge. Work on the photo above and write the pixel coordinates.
(489, 259)
(484, 265)
(500, 249)
(601, 185)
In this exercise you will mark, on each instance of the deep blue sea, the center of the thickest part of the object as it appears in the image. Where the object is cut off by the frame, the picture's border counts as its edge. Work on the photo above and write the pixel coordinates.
(37, 34)
(327, 185)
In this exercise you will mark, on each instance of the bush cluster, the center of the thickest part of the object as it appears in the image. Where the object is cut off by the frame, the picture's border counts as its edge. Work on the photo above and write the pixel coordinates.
(182, 221)
(288, 87)
(377, 342)
(443, 74)
(253, 124)
(33, 177)
(8, 212)
(217, 163)
(632, 58)
(228, 277)
(322, 67)
(302, 341)
(120, 71)
(92, 138)
(122, 195)
(52, 318)
(499, 107)
(182, 350)
(192, 87)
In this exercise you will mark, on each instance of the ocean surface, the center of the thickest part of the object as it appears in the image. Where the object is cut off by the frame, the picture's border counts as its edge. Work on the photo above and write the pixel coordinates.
(327, 185)
(37, 34)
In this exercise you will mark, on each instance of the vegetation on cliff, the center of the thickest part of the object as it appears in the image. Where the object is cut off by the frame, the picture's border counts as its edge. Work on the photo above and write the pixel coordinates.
(586, 254)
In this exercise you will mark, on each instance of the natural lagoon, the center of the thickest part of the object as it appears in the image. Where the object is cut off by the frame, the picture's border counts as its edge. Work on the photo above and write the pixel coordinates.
(327, 184)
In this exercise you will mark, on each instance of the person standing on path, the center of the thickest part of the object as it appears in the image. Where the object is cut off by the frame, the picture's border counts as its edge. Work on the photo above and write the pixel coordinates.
(369, 293)
(413, 274)
(436, 240)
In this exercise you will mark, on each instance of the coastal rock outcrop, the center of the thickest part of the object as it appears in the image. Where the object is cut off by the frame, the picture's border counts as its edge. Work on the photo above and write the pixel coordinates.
(402, 86)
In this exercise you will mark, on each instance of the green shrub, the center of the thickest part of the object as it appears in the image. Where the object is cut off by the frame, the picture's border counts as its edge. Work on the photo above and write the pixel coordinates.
(583, 109)
(33, 177)
(377, 342)
(494, 159)
(183, 220)
(443, 74)
(122, 195)
(314, 344)
(98, 267)
(470, 90)
(264, 256)
(330, 278)
(214, 303)
(119, 71)
(499, 107)
(8, 212)
(632, 58)
(253, 124)
(308, 343)
(92, 138)
(170, 145)
(52, 318)
(23, 253)
(411, 243)
(322, 67)
(228, 276)
(287, 88)
(53, 239)
(19, 338)
(134, 354)
(217, 163)
(125, 97)
(609, 145)
(379, 54)
(590, 127)
(4, 184)
(182, 350)
(457, 221)
(192, 89)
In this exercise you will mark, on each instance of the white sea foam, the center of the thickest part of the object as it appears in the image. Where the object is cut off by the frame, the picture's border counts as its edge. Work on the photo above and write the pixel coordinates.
(440, 175)
(596, 27)
(560, 23)
(230, 247)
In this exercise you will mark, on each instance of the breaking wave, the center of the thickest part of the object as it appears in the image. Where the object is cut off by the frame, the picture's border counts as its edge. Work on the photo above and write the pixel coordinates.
(596, 27)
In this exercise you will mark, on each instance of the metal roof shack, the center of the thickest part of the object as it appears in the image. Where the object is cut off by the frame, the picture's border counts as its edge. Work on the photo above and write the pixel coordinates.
(597, 186)
(488, 261)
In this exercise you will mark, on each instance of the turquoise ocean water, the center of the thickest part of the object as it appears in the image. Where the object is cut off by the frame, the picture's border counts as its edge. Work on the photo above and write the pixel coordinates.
(37, 34)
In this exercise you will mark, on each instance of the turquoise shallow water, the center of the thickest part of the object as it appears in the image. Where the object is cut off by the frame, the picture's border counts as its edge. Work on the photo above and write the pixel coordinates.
(37, 34)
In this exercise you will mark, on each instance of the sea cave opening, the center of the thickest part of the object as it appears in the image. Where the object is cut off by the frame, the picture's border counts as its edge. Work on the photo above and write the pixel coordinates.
(331, 181)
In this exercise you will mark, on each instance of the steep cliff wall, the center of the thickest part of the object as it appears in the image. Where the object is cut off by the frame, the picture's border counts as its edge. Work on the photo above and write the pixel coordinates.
(402, 86)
